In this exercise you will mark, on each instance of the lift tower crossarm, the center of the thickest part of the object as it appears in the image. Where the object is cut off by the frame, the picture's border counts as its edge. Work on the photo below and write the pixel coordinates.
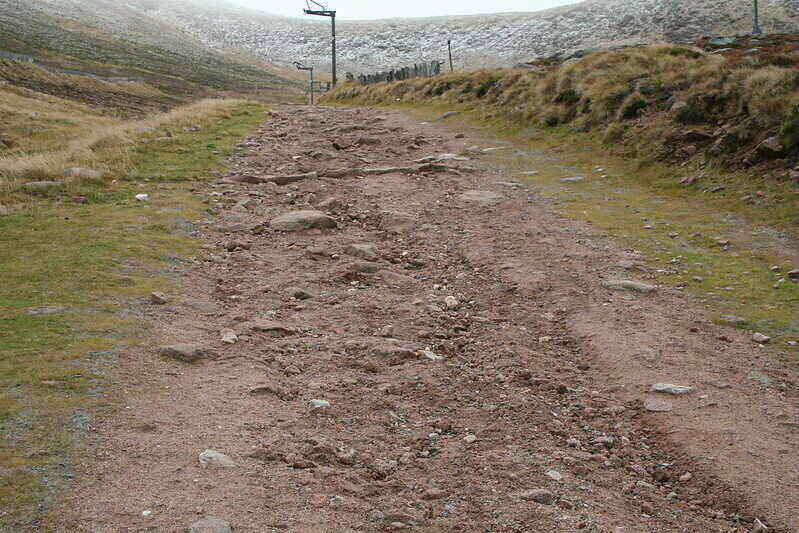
(324, 12)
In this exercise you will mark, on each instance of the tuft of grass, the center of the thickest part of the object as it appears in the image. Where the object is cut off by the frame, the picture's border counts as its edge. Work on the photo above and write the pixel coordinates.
(69, 274)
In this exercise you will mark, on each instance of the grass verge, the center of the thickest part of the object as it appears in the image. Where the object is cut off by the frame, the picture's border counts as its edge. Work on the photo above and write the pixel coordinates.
(71, 278)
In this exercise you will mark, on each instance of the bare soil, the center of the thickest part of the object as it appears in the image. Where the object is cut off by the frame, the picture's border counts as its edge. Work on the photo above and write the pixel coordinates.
(479, 376)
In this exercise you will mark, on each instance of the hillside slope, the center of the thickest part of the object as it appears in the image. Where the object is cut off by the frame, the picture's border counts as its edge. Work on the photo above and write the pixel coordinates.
(735, 106)
(484, 40)
(116, 40)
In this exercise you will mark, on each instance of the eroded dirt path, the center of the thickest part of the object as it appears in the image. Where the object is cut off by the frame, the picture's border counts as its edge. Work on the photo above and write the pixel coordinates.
(479, 376)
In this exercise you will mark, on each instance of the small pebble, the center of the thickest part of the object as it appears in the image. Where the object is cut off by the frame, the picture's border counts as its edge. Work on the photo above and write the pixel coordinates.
(761, 339)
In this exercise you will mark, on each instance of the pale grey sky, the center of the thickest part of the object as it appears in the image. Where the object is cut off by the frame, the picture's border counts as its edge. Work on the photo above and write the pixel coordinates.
(371, 9)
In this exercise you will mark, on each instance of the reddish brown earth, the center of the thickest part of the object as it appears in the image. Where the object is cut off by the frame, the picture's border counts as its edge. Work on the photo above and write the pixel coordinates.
(539, 371)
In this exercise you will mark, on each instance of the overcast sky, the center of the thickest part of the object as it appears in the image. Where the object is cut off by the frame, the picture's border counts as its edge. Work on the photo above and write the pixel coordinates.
(371, 9)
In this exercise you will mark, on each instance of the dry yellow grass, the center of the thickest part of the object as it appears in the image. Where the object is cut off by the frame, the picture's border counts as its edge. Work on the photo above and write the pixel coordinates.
(95, 142)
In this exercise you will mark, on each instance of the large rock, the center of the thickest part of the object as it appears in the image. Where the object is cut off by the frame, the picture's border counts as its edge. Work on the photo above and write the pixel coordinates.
(366, 251)
(210, 524)
(302, 220)
(771, 147)
(627, 285)
(542, 496)
(185, 352)
(670, 388)
(272, 328)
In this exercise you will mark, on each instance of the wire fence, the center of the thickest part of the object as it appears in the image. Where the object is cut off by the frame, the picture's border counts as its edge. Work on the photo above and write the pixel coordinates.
(420, 70)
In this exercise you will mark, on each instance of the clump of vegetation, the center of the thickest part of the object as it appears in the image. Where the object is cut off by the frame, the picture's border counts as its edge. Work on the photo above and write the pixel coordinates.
(657, 89)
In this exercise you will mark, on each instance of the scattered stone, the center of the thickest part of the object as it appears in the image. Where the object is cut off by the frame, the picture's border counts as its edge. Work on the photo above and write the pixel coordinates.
(657, 405)
(470, 439)
(300, 294)
(4, 211)
(142, 197)
(330, 204)
(385, 170)
(434, 494)
(188, 353)
(722, 41)
(274, 329)
(215, 459)
(627, 285)
(85, 173)
(285, 180)
(452, 303)
(446, 116)
(669, 388)
(427, 354)
(442, 157)
(575, 179)
(554, 474)
(761, 339)
(482, 197)
(363, 268)
(319, 404)
(210, 524)
(647, 508)
(158, 298)
(229, 337)
(760, 378)
(733, 320)
(303, 220)
(385, 467)
(794, 275)
(542, 496)
(367, 251)
(771, 146)
(686, 477)
(376, 515)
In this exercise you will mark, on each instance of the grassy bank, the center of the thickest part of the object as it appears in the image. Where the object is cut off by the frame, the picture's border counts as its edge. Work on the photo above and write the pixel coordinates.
(663, 103)
(73, 273)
